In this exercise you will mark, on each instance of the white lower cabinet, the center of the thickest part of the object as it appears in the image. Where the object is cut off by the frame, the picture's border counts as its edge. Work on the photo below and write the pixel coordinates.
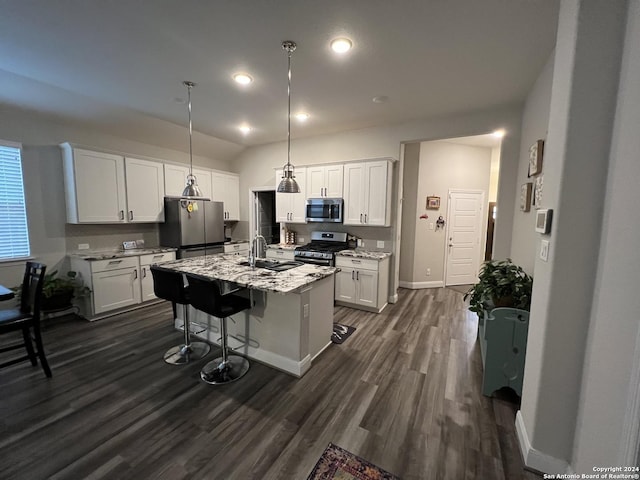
(116, 283)
(146, 279)
(237, 249)
(362, 283)
(280, 254)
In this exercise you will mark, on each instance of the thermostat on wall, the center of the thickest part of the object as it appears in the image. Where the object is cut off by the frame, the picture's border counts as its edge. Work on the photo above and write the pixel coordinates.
(543, 221)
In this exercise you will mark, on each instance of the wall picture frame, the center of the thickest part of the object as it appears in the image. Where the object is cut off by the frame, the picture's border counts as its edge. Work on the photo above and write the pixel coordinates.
(536, 152)
(525, 196)
(433, 202)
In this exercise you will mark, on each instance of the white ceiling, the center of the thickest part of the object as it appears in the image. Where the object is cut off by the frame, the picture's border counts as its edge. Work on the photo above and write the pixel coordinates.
(119, 64)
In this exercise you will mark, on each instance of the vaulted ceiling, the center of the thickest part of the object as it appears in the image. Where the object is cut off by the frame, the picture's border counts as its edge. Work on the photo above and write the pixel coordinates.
(121, 63)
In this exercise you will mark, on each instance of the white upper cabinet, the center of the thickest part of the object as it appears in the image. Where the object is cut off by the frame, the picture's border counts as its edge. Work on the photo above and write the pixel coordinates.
(145, 190)
(325, 181)
(106, 188)
(175, 179)
(367, 193)
(226, 189)
(94, 186)
(291, 207)
(203, 177)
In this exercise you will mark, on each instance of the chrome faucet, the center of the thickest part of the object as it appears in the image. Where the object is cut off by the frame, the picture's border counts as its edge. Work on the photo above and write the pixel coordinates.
(254, 251)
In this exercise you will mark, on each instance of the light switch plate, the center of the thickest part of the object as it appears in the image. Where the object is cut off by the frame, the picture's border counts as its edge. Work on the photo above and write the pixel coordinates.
(83, 246)
(544, 250)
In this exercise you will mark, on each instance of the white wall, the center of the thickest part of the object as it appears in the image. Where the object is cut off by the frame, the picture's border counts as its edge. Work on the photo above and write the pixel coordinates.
(50, 236)
(583, 99)
(443, 166)
(607, 386)
(410, 193)
(535, 120)
(494, 175)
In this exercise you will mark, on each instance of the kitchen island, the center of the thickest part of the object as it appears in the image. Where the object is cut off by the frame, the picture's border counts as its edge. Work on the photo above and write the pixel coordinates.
(291, 320)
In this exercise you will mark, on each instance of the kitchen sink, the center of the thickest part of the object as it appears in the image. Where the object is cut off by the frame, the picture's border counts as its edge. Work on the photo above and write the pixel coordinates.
(274, 265)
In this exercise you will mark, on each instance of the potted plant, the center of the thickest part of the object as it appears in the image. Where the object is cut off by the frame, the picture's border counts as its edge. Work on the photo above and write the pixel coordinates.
(501, 283)
(57, 292)
(502, 332)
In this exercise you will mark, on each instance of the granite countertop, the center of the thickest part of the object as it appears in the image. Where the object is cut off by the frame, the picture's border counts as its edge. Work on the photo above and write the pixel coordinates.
(282, 246)
(227, 268)
(363, 253)
(107, 254)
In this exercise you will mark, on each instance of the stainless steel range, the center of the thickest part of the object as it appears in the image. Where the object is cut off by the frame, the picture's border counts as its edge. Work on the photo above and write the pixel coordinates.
(322, 249)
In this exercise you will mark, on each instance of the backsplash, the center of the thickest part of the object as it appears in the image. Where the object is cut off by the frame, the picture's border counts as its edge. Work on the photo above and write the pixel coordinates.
(100, 237)
(370, 235)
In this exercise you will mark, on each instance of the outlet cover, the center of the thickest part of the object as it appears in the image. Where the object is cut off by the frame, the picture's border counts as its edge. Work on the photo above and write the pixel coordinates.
(380, 244)
(544, 250)
(83, 246)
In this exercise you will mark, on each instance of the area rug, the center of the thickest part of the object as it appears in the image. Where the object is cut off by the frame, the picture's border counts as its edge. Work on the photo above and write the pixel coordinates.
(338, 464)
(341, 332)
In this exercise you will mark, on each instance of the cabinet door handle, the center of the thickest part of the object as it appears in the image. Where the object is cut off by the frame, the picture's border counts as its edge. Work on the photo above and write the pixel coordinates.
(144, 272)
(135, 273)
(365, 218)
(352, 272)
(358, 275)
(130, 215)
(121, 214)
(360, 218)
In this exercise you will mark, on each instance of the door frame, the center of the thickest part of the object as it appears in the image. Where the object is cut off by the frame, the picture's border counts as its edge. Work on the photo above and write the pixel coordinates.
(482, 245)
(253, 197)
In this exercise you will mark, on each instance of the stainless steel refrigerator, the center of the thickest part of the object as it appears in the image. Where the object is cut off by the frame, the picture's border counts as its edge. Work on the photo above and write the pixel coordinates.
(193, 231)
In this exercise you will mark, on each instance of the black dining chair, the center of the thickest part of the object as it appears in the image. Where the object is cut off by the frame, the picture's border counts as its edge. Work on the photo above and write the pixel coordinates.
(27, 318)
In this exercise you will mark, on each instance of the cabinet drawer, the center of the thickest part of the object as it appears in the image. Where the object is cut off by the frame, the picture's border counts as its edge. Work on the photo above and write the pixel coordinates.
(237, 247)
(152, 258)
(360, 263)
(113, 264)
(280, 254)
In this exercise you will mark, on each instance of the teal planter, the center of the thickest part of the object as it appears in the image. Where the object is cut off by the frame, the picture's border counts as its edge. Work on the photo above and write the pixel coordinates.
(502, 333)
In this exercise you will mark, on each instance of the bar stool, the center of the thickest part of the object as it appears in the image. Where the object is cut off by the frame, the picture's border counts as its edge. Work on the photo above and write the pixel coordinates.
(205, 295)
(169, 285)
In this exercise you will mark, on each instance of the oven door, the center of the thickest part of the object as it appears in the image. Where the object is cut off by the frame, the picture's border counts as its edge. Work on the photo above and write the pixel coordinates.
(324, 262)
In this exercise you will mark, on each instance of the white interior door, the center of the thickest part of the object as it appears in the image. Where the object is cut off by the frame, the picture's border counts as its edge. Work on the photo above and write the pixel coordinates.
(464, 237)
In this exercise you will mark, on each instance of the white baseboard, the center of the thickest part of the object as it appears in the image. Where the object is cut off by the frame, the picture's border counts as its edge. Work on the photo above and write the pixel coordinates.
(536, 459)
(393, 298)
(418, 285)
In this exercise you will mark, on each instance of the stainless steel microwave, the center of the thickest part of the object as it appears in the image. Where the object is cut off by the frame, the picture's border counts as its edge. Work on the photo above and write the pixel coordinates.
(326, 210)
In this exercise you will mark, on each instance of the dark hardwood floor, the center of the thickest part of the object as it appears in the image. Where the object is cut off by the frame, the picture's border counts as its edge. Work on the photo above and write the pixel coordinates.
(402, 392)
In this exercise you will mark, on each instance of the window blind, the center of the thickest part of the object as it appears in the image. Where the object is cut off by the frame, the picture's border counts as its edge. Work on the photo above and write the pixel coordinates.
(14, 235)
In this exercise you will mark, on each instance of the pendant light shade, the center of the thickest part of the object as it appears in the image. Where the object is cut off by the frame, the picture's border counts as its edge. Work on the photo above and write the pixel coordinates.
(191, 191)
(288, 183)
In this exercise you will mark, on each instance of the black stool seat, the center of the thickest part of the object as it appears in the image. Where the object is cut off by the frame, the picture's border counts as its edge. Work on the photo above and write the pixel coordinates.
(169, 285)
(205, 295)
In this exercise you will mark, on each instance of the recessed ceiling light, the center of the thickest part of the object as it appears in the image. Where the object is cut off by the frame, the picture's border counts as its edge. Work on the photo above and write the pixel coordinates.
(245, 129)
(302, 117)
(380, 99)
(243, 78)
(341, 45)
(498, 133)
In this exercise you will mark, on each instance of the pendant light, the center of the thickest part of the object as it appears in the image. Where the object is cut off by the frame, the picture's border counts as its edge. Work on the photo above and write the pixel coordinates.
(288, 183)
(191, 191)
